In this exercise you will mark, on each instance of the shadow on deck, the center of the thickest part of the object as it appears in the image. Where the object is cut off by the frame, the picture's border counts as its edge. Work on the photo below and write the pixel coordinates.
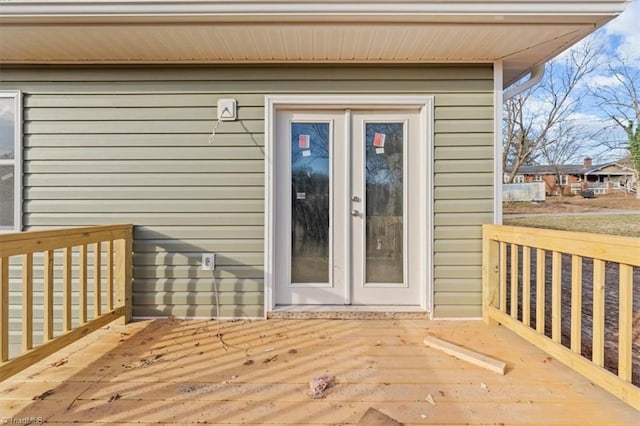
(177, 372)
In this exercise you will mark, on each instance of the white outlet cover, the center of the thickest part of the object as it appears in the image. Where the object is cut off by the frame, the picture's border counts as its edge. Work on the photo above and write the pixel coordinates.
(227, 109)
(209, 261)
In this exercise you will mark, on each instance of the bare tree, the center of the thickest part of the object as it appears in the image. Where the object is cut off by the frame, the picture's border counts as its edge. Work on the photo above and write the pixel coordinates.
(620, 100)
(540, 117)
(568, 144)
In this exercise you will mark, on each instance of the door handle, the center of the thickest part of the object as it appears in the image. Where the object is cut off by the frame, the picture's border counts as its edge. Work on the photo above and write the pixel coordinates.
(355, 213)
(355, 199)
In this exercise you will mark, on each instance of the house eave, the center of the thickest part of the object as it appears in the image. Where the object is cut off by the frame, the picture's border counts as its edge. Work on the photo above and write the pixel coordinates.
(597, 170)
(221, 10)
(520, 34)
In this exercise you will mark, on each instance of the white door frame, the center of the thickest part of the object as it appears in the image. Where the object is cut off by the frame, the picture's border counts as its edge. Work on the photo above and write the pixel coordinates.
(386, 102)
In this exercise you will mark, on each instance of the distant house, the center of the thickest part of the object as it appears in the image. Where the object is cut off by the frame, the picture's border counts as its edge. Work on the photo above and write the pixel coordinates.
(573, 178)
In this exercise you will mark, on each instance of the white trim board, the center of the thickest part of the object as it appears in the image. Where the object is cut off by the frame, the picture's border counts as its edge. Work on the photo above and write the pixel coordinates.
(16, 162)
(346, 308)
(387, 102)
(237, 10)
(497, 142)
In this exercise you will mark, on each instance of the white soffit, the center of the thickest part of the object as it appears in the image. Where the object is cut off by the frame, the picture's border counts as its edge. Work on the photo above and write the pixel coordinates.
(520, 33)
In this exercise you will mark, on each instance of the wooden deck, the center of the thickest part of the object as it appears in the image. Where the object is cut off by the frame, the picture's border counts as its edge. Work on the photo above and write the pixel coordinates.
(177, 372)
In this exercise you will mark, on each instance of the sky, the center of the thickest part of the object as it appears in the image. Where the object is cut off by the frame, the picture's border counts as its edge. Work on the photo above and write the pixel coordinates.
(620, 36)
(624, 32)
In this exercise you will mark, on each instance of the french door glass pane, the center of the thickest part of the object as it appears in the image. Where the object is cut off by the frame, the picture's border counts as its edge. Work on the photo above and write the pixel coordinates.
(384, 229)
(310, 203)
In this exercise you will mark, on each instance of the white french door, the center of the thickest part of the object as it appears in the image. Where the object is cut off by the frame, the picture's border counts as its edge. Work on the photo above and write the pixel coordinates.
(385, 232)
(349, 203)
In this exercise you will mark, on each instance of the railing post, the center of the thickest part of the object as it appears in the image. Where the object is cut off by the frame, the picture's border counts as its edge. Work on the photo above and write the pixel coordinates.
(490, 271)
(124, 264)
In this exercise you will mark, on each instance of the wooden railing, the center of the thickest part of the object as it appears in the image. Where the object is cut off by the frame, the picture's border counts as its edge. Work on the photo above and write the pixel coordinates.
(562, 310)
(111, 249)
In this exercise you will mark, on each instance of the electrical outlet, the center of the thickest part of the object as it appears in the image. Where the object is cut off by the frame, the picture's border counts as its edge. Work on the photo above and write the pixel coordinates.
(208, 261)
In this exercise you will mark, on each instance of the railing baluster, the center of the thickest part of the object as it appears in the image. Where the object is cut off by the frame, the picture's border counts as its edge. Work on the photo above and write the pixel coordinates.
(576, 304)
(67, 279)
(526, 285)
(110, 275)
(83, 284)
(47, 242)
(27, 301)
(503, 277)
(514, 280)
(625, 341)
(540, 271)
(556, 296)
(48, 295)
(97, 278)
(4, 309)
(598, 312)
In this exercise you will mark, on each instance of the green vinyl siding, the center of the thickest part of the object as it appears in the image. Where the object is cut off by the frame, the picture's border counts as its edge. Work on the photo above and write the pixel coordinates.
(131, 145)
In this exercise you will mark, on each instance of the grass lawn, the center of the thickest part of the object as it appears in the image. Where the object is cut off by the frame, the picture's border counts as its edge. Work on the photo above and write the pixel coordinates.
(626, 225)
(568, 204)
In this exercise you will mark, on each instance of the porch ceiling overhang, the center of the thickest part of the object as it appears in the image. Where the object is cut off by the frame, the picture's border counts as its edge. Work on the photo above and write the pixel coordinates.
(519, 33)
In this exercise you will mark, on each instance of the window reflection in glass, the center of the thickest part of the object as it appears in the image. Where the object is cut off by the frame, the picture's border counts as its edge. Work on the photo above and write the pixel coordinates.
(310, 202)
(7, 128)
(7, 180)
(384, 228)
(7, 156)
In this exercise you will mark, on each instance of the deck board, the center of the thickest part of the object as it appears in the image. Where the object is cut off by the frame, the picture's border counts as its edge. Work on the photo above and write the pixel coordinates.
(172, 371)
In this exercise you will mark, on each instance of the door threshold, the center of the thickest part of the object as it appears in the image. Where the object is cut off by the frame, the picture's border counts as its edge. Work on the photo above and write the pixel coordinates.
(347, 312)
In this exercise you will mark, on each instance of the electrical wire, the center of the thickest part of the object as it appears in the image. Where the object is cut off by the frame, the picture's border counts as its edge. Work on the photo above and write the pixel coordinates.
(219, 334)
(212, 138)
(215, 289)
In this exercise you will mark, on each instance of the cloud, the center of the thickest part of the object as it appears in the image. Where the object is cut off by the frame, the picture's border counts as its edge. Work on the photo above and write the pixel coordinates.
(598, 81)
(7, 109)
(603, 140)
(590, 122)
(625, 28)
